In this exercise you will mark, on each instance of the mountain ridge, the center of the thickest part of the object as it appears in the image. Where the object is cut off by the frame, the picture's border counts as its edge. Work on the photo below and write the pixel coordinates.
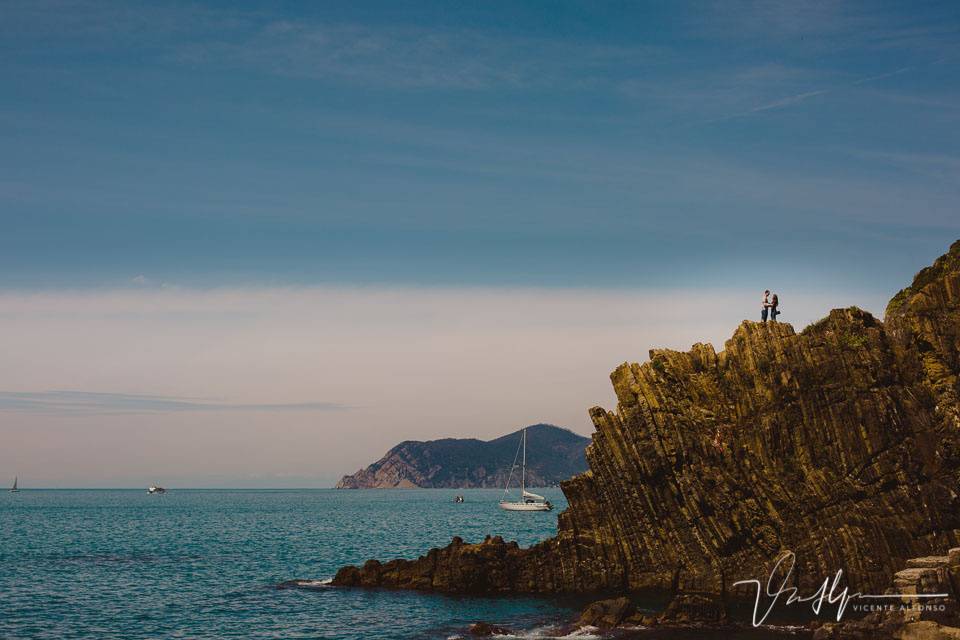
(554, 454)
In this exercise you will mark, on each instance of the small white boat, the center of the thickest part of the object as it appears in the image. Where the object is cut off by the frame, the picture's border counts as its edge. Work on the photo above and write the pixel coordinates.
(14, 489)
(528, 501)
(156, 490)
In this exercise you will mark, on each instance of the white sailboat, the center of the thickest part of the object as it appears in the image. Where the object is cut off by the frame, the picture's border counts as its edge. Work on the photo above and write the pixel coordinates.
(14, 489)
(528, 501)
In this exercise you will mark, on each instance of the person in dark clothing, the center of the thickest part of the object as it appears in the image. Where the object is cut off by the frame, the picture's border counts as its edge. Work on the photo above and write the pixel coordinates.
(774, 304)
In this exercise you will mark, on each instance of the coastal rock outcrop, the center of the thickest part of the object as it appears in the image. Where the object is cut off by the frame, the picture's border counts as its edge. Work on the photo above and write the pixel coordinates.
(485, 630)
(840, 443)
(928, 606)
(606, 614)
(465, 463)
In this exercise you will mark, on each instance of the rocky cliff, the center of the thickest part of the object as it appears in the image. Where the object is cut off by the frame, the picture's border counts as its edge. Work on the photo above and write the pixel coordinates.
(840, 443)
(927, 607)
(554, 454)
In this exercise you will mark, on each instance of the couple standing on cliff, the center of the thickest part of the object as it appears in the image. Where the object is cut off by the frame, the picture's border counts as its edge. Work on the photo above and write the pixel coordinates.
(770, 306)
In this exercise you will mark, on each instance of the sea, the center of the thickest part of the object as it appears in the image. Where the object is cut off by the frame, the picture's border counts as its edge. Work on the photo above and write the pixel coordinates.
(197, 563)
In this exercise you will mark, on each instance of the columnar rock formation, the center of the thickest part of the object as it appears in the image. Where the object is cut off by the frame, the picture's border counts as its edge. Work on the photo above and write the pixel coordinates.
(840, 443)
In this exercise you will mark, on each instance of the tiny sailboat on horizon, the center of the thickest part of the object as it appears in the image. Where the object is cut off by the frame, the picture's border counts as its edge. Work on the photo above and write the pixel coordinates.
(14, 489)
(529, 501)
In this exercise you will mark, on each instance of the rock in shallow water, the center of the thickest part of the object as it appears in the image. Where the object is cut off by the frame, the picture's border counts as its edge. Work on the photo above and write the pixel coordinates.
(485, 629)
(694, 608)
(606, 614)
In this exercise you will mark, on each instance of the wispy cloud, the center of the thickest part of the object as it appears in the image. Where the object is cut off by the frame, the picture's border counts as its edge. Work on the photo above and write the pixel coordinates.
(882, 75)
(388, 55)
(411, 57)
(92, 403)
(938, 166)
(818, 28)
(789, 100)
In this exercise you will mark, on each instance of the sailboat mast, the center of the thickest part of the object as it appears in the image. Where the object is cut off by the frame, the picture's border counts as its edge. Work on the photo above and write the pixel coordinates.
(523, 470)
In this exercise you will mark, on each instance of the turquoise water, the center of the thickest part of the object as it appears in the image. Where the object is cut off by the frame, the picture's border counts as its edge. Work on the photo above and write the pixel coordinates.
(205, 564)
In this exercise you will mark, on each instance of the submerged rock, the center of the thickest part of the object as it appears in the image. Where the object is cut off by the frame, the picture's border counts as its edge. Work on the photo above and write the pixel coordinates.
(606, 614)
(840, 443)
(485, 629)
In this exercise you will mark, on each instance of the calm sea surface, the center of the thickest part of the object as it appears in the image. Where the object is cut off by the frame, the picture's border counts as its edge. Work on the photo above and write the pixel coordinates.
(206, 563)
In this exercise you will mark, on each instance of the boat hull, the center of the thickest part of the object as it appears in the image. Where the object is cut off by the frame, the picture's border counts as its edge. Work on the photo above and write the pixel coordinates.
(525, 506)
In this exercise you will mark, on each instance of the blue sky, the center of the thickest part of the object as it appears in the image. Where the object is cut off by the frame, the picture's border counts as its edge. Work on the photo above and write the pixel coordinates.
(545, 144)
(258, 244)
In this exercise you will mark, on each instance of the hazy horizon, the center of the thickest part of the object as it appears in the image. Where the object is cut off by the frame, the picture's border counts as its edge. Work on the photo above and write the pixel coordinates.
(376, 355)
(253, 245)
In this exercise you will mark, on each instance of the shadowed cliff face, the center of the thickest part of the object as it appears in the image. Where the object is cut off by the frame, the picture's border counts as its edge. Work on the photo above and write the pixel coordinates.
(840, 443)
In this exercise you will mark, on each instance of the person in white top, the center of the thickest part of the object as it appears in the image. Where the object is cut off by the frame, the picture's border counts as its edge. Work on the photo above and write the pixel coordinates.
(766, 306)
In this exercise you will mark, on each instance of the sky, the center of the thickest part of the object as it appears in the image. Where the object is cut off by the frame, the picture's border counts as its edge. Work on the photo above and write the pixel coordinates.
(257, 244)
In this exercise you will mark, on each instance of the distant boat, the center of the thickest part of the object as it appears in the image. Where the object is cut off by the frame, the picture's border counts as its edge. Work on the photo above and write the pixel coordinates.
(14, 489)
(528, 501)
(156, 490)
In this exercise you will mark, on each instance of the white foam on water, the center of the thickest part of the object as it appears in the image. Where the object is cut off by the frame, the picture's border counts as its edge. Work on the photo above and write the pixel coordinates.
(314, 584)
(556, 633)
(788, 628)
(584, 633)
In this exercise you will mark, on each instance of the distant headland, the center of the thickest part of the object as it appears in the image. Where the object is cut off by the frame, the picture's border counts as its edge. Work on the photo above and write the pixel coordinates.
(470, 463)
